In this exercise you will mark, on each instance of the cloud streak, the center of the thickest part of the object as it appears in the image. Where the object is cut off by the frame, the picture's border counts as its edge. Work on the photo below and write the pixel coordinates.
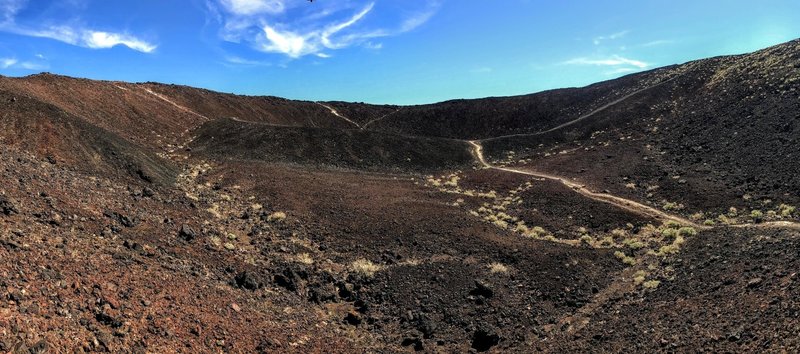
(13, 63)
(615, 60)
(70, 34)
(253, 7)
(295, 31)
(597, 40)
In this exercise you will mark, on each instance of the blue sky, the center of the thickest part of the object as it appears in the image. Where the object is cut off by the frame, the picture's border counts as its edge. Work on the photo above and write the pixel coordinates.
(379, 51)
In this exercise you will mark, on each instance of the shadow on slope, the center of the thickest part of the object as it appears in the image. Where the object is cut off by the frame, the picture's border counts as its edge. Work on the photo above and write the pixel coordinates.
(336, 148)
(51, 133)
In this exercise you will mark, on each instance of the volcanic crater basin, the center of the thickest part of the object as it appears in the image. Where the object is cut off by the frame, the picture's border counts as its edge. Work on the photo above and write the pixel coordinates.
(652, 213)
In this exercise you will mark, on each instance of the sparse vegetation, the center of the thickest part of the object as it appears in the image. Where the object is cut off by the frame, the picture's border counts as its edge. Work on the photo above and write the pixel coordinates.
(495, 268)
(625, 258)
(651, 284)
(786, 210)
(687, 231)
(672, 206)
(305, 258)
(639, 277)
(277, 216)
(365, 267)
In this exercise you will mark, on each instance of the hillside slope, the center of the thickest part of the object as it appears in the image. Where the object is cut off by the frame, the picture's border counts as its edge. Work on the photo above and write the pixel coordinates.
(724, 133)
(62, 138)
(328, 147)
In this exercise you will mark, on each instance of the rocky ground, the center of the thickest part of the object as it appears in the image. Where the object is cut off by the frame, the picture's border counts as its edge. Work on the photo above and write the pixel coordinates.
(158, 218)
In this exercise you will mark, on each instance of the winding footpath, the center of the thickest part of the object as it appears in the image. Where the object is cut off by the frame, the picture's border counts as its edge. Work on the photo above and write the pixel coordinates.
(623, 203)
(171, 102)
(590, 114)
(627, 204)
(336, 113)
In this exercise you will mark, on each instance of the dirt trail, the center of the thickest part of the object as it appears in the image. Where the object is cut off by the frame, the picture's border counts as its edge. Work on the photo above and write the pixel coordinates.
(336, 113)
(171, 102)
(769, 225)
(587, 115)
(381, 118)
(624, 284)
(619, 202)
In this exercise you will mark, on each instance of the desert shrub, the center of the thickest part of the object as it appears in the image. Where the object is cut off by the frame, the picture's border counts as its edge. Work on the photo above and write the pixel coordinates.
(277, 216)
(687, 231)
(651, 284)
(633, 244)
(786, 210)
(537, 232)
(305, 258)
(495, 268)
(672, 248)
(669, 233)
(365, 267)
(640, 277)
(619, 233)
(624, 258)
(672, 206)
(756, 214)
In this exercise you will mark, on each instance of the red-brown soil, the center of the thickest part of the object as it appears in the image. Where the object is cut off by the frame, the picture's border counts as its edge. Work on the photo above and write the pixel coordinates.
(162, 218)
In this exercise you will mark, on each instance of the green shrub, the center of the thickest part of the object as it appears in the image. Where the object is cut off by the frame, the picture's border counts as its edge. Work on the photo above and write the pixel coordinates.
(687, 231)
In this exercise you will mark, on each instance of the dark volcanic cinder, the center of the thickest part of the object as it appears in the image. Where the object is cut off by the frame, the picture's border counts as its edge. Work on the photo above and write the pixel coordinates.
(652, 213)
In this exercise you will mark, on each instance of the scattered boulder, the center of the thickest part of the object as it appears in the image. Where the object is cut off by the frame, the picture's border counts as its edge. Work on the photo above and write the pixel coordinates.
(322, 293)
(7, 207)
(290, 278)
(482, 288)
(148, 192)
(122, 219)
(484, 339)
(353, 319)
(187, 233)
(414, 342)
(246, 280)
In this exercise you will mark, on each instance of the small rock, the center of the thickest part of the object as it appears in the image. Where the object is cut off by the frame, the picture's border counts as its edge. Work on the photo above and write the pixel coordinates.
(482, 288)
(484, 339)
(754, 283)
(187, 233)
(7, 207)
(353, 319)
(236, 307)
(245, 280)
(413, 341)
(147, 192)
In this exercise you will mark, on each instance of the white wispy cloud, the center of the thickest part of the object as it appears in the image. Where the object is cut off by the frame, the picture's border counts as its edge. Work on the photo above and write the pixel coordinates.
(253, 7)
(6, 63)
(70, 34)
(13, 63)
(300, 29)
(658, 42)
(235, 60)
(618, 35)
(615, 60)
(99, 40)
